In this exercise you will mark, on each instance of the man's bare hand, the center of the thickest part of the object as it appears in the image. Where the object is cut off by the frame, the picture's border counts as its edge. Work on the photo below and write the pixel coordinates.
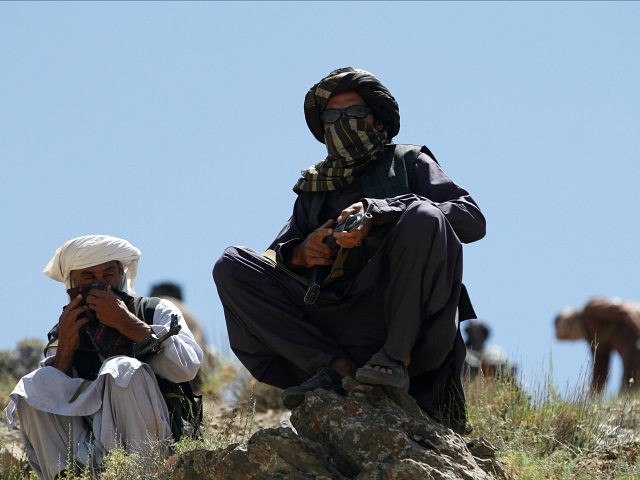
(350, 210)
(111, 311)
(109, 308)
(355, 237)
(69, 326)
(312, 251)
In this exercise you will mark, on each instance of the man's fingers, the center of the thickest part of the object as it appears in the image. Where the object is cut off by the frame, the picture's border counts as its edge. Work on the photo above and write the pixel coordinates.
(312, 259)
(350, 210)
(96, 294)
(319, 249)
(350, 239)
(312, 262)
(81, 322)
(75, 301)
(77, 312)
(74, 309)
(318, 235)
(317, 254)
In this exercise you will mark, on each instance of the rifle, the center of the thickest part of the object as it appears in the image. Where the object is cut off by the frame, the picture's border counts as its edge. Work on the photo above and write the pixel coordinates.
(351, 223)
(153, 344)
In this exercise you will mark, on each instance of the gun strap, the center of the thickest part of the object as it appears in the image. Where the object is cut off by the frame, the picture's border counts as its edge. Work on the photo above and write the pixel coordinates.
(337, 269)
(79, 390)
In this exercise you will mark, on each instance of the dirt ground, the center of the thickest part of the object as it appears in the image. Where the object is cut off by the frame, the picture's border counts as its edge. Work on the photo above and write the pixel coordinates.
(224, 424)
(227, 423)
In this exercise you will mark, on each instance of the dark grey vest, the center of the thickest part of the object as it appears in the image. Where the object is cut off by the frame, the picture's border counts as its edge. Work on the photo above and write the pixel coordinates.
(391, 176)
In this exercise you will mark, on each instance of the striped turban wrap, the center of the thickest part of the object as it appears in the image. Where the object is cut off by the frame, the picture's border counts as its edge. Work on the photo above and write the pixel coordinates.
(378, 97)
(337, 171)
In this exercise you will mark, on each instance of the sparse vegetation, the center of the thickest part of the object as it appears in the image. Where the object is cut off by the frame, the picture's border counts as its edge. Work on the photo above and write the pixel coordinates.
(543, 436)
(18, 362)
(539, 435)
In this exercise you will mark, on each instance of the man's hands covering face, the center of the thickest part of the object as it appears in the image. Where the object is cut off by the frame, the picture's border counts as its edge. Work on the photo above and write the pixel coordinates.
(109, 308)
(69, 325)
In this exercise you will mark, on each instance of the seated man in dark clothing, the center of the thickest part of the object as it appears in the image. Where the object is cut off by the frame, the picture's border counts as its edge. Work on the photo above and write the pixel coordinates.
(381, 302)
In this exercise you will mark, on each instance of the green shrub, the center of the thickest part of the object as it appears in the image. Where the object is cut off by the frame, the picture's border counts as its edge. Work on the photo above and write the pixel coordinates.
(21, 360)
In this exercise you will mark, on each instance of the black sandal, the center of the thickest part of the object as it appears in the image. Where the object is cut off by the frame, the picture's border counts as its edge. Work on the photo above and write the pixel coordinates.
(327, 379)
(398, 378)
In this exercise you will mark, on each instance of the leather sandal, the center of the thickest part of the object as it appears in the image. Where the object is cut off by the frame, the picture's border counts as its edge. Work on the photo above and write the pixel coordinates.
(398, 378)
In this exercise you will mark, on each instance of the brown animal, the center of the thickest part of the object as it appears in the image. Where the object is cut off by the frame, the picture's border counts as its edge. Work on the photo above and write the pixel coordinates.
(608, 325)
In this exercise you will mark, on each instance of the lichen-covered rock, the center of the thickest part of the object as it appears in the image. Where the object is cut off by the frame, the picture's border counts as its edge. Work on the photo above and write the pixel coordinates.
(193, 465)
(269, 454)
(369, 434)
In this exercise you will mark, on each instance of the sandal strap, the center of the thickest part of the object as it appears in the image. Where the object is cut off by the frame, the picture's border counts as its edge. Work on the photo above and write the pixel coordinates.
(381, 359)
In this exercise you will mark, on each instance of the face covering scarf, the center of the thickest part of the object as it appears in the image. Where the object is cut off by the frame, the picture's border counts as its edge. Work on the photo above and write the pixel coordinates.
(351, 145)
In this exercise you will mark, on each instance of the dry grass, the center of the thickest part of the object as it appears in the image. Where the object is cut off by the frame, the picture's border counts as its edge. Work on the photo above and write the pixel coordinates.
(543, 436)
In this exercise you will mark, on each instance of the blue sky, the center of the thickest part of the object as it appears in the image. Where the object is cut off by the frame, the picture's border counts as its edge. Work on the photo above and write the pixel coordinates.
(180, 127)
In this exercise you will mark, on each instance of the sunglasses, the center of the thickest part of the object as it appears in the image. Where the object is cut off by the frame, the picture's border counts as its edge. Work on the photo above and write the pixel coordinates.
(330, 115)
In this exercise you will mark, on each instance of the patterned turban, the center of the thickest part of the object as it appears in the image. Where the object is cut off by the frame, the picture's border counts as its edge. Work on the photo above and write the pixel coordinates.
(92, 250)
(384, 106)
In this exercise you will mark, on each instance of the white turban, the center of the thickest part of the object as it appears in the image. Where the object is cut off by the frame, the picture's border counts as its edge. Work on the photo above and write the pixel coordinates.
(92, 250)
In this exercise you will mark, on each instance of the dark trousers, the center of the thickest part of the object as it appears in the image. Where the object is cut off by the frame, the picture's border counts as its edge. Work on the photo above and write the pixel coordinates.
(404, 299)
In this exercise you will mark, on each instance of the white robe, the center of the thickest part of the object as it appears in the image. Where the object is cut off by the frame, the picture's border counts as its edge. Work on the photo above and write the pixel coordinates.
(122, 406)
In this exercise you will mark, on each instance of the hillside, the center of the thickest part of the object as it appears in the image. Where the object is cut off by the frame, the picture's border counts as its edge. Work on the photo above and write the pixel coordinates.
(371, 434)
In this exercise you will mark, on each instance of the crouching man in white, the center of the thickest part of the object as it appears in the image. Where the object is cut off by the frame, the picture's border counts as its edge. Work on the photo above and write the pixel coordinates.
(89, 395)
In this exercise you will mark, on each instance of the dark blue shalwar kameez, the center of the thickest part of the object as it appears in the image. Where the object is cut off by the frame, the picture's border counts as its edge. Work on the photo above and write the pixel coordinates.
(402, 290)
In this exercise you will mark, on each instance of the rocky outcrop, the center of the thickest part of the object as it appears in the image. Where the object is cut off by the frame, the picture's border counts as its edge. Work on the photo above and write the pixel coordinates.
(365, 435)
